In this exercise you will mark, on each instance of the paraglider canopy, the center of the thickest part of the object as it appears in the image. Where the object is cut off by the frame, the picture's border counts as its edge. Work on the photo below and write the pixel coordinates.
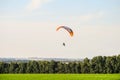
(66, 28)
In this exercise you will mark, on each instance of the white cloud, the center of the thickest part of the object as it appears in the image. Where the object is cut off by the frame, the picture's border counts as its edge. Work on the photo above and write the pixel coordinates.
(35, 4)
(89, 17)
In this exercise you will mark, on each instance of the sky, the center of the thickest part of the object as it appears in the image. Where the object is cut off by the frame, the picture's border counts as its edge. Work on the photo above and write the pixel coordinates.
(28, 28)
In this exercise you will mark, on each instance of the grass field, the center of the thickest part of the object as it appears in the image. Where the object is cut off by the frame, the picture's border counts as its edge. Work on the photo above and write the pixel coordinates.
(59, 76)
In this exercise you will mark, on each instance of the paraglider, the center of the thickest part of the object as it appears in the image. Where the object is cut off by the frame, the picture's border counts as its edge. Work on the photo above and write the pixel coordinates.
(69, 30)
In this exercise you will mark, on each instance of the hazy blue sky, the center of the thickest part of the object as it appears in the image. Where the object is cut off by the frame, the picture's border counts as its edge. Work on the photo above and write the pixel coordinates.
(28, 28)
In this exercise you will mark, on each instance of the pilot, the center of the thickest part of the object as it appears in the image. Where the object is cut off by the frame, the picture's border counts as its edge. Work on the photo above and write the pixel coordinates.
(63, 44)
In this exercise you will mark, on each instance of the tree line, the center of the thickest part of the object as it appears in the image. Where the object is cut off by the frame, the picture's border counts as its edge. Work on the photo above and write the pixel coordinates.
(98, 64)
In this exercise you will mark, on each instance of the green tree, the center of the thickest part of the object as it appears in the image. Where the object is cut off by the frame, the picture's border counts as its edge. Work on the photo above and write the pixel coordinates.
(6, 67)
(118, 64)
(109, 65)
(98, 64)
(46, 66)
(13, 67)
(78, 67)
(22, 67)
(52, 67)
(1, 67)
(66, 67)
(29, 67)
(35, 67)
(60, 67)
(85, 67)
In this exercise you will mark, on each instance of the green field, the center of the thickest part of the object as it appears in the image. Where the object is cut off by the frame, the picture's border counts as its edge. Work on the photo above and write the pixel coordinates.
(59, 76)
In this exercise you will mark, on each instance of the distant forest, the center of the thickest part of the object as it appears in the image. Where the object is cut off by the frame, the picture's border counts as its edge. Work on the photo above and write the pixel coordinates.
(98, 64)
